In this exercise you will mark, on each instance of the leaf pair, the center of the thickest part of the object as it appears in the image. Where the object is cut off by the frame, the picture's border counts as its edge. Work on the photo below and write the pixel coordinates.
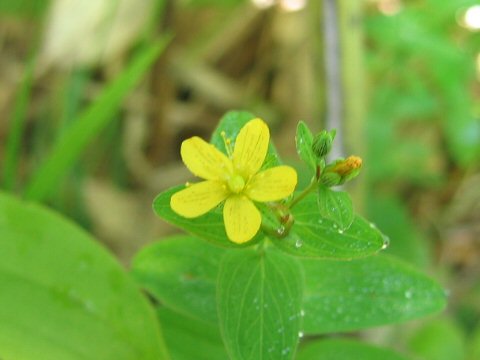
(261, 302)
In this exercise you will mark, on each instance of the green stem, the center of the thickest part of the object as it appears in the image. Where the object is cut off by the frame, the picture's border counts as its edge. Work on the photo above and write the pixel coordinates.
(305, 192)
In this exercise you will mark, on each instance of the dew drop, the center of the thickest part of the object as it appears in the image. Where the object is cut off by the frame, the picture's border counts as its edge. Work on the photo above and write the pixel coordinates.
(298, 243)
(340, 231)
(300, 334)
(408, 294)
(335, 226)
(302, 312)
(386, 242)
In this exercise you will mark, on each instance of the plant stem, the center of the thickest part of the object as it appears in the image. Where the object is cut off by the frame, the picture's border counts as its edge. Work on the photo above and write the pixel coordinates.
(305, 192)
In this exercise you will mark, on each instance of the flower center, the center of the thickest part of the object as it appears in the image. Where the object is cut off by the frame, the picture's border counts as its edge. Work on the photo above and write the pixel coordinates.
(236, 184)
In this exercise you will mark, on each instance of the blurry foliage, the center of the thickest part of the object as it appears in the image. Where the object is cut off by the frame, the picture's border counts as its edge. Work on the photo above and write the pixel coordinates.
(422, 128)
(422, 66)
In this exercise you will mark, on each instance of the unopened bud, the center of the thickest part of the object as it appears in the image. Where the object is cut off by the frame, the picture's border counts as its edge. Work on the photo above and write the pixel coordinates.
(347, 169)
(330, 179)
(322, 143)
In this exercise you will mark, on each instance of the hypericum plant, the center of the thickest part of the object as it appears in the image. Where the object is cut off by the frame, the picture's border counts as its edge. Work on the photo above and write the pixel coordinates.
(300, 267)
(274, 273)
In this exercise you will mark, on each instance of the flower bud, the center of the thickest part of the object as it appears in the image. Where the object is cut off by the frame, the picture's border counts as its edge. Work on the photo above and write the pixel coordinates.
(347, 168)
(322, 143)
(330, 179)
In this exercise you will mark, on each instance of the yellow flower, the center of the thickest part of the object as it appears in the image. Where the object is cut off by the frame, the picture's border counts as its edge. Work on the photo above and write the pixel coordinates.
(235, 179)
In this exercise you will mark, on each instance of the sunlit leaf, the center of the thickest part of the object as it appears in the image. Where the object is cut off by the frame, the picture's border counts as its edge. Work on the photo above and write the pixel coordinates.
(63, 296)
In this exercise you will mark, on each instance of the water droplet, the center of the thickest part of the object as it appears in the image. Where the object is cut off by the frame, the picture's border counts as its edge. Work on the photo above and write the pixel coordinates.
(373, 226)
(408, 294)
(281, 230)
(302, 312)
(386, 242)
(300, 334)
(335, 226)
(285, 351)
(298, 243)
(340, 231)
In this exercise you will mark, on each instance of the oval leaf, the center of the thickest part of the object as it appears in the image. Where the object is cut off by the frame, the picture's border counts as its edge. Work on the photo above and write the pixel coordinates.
(345, 349)
(357, 294)
(316, 237)
(304, 142)
(181, 272)
(336, 206)
(259, 299)
(63, 296)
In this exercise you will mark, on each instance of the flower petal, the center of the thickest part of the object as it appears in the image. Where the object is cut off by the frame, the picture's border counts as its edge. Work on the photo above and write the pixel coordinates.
(251, 147)
(205, 160)
(199, 198)
(272, 184)
(242, 219)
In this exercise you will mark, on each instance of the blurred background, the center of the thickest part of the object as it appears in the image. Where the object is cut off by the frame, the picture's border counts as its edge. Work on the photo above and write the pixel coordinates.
(96, 97)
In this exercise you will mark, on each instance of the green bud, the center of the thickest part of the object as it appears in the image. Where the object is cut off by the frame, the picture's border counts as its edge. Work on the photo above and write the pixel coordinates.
(322, 143)
(330, 179)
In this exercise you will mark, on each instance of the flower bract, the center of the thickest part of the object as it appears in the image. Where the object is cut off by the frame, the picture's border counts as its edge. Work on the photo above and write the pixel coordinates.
(235, 179)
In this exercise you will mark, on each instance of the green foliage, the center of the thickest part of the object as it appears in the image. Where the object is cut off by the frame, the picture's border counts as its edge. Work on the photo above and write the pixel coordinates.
(336, 206)
(304, 144)
(258, 287)
(24, 8)
(70, 144)
(317, 237)
(259, 301)
(65, 297)
(16, 129)
(440, 339)
(431, 93)
(345, 349)
(188, 338)
(378, 290)
(181, 272)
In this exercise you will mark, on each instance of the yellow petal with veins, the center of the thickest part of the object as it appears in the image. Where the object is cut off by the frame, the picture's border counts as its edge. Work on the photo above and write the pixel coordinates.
(205, 160)
(251, 147)
(199, 198)
(272, 184)
(242, 219)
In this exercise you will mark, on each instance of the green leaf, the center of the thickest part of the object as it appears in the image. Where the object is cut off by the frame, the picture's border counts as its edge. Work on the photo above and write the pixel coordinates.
(345, 349)
(231, 123)
(181, 272)
(209, 226)
(189, 339)
(440, 339)
(316, 237)
(63, 296)
(378, 290)
(304, 142)
(336, 206)
(70, 145)
(259, 299)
